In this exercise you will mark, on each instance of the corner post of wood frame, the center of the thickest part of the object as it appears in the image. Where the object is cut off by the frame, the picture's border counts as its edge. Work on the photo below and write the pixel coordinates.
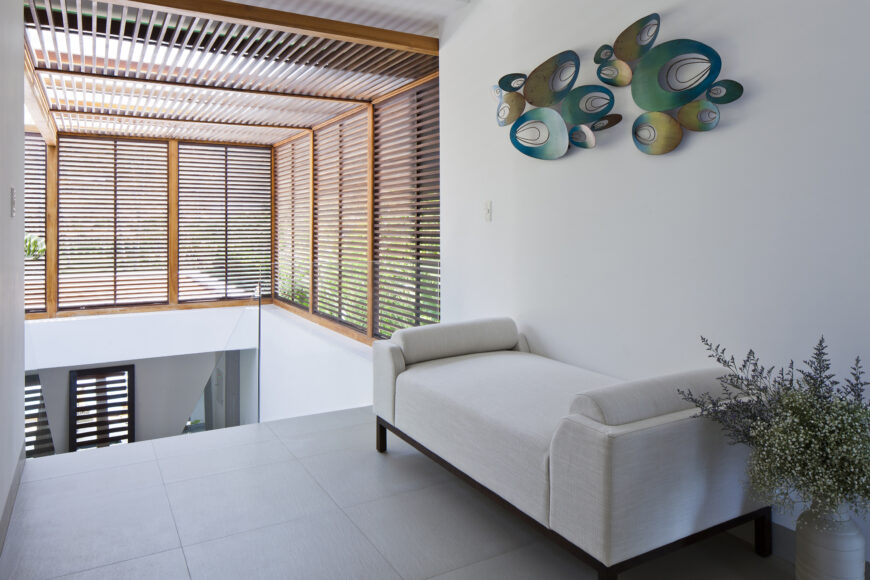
(172, 168)
(51, 243)
(311, 233)
(273, 246)
(370, 249)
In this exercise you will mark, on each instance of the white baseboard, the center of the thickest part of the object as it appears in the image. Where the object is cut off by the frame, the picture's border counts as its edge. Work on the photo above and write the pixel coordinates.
(6, 516)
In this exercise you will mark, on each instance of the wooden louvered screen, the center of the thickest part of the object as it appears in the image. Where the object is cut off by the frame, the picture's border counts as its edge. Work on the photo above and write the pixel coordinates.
(101, 406)
(224, 221)
(407, 211)
(37, 434)
(34, 219)
(112, 222)
(292, 268)
(341, 221)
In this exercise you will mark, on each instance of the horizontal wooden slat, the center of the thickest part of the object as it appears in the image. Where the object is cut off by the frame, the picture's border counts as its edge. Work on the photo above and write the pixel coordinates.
(407, 209)
(224, 231)
(34, 219)
(112, 222)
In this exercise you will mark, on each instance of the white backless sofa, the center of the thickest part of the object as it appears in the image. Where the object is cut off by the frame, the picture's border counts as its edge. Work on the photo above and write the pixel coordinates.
(620, 470)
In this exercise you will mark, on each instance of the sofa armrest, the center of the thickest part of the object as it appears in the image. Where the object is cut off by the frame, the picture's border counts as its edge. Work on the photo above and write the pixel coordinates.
(387, 363)
(620, 491)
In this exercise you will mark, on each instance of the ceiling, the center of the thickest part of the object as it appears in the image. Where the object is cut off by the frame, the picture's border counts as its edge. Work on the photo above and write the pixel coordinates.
(155, 72)
(423, 17)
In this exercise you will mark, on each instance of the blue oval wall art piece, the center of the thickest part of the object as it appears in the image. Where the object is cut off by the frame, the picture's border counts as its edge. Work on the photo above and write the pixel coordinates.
(587, 104)
(540, 133)
(673, 74)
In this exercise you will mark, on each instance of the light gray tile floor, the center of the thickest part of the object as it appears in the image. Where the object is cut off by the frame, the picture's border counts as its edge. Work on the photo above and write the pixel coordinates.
(297, 498)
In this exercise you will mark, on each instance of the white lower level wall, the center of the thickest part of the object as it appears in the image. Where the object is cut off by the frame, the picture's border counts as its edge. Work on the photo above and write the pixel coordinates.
(305, 368)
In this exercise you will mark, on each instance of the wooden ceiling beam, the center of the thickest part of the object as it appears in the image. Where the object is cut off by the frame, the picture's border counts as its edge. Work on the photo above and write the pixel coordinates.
(290, 22)
(36, 101)
(133, 117)
(107, 77)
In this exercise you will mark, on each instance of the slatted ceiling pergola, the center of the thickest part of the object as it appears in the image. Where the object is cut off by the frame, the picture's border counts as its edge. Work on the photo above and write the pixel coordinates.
(152, 71)
(96, 124)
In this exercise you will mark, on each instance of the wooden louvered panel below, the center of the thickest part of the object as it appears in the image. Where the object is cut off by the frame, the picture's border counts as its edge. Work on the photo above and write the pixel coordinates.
(407, 211)
(341, 221)
(101, 407)
(37, 433)
(34, 219)
(224, 221)
(112, 222)
(292, 268)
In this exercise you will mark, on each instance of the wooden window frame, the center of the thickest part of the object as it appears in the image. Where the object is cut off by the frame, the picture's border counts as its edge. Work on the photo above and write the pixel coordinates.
(369, 336)
(173, 304)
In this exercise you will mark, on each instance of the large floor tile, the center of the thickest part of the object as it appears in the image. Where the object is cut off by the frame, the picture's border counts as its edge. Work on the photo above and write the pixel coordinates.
(322, 547)
(87, 460)
(163, 566)
(181, 467)
(439, 529)
(288, 428)
(53, 539)
(68, 489)
(722, 557)
(541, 560)
(214, 506)
(210, 440)
(374, 475)
(353, 438)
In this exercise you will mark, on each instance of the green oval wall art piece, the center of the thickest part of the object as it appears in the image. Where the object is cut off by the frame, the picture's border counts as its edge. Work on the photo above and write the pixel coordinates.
(656, 133)
(551, 81)
(638, 38)
(510, 107)
(699, 115)
(586, 104)
(603, 54)
(673, 74)
(512, 82)
(540, 133)
(724, 92)
(616, 73)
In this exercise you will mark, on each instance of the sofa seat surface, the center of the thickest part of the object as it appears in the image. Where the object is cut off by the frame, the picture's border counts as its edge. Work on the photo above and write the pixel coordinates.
(493, 415)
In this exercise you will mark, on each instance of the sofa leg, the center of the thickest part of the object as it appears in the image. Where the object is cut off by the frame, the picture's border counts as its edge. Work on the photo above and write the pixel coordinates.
(764, 534)
(381, 438)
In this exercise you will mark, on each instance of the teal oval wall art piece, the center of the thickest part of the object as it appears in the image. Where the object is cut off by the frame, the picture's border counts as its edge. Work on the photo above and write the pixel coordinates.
(673, 74)
(540, 133)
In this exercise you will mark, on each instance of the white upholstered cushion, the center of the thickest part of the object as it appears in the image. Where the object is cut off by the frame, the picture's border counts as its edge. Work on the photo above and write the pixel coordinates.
(492, 415)
(643, 399)
(444, 340)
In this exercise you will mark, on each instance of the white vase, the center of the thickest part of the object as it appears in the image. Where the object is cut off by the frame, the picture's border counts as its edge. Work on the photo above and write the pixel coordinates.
(829, 546)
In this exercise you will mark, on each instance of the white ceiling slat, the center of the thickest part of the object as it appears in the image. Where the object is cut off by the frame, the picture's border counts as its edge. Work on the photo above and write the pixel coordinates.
(154, 72)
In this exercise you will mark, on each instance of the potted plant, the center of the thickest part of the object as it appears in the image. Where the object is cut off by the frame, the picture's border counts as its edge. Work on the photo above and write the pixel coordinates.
(809, 442)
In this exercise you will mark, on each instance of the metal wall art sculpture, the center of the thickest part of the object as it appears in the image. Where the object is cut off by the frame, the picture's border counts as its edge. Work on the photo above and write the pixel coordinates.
(676, 82)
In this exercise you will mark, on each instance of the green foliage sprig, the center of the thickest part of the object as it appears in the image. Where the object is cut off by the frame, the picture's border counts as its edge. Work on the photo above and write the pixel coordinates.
(808, 434)
(34, 246)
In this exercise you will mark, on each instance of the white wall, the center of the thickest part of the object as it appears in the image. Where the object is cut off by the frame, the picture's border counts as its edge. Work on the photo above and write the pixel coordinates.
(99, 339)
(307, 369)
(755, 234)
(166, 391)
(11, 252)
